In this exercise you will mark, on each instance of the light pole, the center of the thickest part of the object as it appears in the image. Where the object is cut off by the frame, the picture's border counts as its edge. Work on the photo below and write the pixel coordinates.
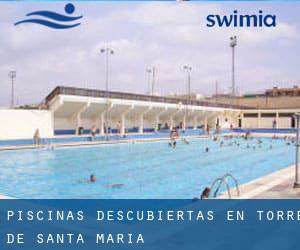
(149, 72)
(188, 69)
(217, 91)
(297, 181)
(107, 51)
(12, 75)
(153, 78)
(233, 44)
(153, 72)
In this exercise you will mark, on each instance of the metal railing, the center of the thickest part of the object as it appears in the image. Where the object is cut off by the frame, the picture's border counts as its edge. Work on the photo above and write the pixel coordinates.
(220, 182)
(130, 96)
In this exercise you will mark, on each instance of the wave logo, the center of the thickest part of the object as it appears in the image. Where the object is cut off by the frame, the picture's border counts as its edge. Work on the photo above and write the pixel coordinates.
(53, 20)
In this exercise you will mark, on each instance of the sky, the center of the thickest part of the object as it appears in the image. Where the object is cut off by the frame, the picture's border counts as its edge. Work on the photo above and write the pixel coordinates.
(144, 34)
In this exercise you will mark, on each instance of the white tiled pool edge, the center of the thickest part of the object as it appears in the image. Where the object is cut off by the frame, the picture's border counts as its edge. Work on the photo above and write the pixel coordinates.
(260, 185)
(71, 144)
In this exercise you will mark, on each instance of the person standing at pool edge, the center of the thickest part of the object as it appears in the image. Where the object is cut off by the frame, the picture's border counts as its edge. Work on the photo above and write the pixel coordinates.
(93, 132)
(36, 137)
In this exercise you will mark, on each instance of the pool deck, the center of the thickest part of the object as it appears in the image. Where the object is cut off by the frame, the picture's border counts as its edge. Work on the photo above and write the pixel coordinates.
(98, 142)
(277, 185)
(131, 140)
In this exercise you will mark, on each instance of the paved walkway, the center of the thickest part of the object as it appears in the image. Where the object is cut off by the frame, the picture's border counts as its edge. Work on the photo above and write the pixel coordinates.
(278, 185)
(98, 142)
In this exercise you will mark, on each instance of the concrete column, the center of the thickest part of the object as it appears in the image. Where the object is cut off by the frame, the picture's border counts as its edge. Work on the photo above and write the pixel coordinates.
(184, 122)
(141, 124)
(77, 116)
(205, 123)
(217, 119)
(101, 127)
(142, 118)
(156, 122)
(258, 119)
(157, 118)
(277, 120)
(242, 119)
(78, 122)
(171, 122)
(195, 122)
(123, 120)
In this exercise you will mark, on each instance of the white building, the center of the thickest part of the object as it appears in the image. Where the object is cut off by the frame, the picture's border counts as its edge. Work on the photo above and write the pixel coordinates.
(70, 109)
(74, 108)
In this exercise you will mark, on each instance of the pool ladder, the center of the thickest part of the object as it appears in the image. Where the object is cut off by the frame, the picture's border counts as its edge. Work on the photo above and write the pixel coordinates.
(223, 180)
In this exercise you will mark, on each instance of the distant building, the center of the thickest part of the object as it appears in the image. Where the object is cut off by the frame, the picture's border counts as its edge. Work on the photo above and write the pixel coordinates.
(274, 92)
(253, 95)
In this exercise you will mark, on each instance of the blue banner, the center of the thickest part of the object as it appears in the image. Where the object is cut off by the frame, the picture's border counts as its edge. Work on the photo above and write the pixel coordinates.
(149, 224)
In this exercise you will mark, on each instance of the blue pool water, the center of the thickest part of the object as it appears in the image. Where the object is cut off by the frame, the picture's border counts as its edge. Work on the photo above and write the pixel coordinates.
(147, 170)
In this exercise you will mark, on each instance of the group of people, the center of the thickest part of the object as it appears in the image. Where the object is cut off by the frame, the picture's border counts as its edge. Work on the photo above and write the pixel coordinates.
(106, 130)
(258, 143)
(174, 135)
(289, 140)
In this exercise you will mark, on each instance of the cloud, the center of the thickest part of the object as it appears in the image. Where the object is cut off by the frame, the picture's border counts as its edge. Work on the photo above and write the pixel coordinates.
(165, 35)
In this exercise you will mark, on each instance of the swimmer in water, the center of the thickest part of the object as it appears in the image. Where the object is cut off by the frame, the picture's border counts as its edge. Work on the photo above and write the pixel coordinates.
(92, 178)
(207, 149)
(117, 185)
(174, 144)
(185, 141)
(248, 146)
(205, 194)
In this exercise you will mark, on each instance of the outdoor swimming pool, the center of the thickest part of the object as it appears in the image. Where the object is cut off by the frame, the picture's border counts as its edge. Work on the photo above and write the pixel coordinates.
(147, 170)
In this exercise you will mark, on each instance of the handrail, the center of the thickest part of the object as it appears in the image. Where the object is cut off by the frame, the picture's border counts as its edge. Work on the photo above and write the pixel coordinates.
(235, 182)
(220, 181)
